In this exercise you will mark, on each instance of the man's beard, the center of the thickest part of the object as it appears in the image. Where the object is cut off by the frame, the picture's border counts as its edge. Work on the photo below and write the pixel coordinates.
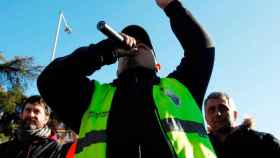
(29, 124)
(225, 128)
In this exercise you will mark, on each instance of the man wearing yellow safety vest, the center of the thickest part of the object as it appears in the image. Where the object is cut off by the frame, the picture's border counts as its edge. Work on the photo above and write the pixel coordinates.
(138, 114)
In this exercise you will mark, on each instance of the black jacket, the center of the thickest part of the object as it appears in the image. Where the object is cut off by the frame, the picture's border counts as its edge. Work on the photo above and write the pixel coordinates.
(64, 86)
(40, 148)
(246, 142)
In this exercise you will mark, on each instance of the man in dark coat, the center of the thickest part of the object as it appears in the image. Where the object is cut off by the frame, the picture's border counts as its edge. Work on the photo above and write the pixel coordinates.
(33, 138)
(230, 140)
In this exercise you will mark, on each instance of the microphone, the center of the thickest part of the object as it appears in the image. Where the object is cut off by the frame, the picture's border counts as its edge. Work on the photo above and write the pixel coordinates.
(109, 32)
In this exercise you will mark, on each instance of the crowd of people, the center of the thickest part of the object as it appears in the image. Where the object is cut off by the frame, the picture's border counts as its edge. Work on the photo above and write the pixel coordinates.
(138, 114)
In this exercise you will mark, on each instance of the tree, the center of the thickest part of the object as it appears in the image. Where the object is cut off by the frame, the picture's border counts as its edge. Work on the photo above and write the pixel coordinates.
(18, 71)
(15, 74)
(11, 98)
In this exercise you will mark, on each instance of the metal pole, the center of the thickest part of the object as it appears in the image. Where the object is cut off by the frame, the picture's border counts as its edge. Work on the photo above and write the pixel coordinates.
(56, 36)
(67, 29)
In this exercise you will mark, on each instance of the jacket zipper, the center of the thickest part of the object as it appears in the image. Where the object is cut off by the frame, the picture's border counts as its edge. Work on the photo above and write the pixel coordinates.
(29, 149)
(165, 136)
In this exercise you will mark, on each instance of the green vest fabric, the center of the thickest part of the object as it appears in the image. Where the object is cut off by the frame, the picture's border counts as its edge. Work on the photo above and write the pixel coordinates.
(178, 114)
(92, 134)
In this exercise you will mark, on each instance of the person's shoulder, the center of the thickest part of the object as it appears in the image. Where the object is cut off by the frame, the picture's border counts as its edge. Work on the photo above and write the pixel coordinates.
(243, 130)
(52, 147)
(270, 144)
(261, 136)
(243, 134)
(267, 137)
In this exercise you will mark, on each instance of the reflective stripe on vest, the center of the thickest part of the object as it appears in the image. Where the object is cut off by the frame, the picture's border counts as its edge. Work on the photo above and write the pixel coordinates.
(92, 135)
(179, 116)
(172, 124)
(182, 120)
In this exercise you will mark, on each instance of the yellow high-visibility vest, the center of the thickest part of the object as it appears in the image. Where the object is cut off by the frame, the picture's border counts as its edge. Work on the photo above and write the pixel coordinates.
(178, 114)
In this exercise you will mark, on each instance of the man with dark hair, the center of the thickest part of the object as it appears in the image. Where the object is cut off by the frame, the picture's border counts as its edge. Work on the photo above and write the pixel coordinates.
(138, 114)
(230, 140)
(33, 137)
(37, 99)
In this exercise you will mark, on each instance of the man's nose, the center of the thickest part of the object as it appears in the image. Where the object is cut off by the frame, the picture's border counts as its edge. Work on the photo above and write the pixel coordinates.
(31, 114)
(218, 113)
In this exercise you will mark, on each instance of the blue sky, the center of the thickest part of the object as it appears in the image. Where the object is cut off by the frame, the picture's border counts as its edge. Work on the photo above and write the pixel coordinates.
(246, 36)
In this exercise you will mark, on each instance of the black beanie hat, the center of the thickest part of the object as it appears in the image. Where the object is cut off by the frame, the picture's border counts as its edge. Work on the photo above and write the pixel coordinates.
(138, 33)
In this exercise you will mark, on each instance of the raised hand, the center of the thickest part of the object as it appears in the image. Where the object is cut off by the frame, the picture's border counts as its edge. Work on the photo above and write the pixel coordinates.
(163, 3)
(130, 48)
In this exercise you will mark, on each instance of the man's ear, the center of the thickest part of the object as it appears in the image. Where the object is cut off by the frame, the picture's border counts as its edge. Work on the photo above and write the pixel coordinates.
(235, 114)
(47, 118)
(157, 67)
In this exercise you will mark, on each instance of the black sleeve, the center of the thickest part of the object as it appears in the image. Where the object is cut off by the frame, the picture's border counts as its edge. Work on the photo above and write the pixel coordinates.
(195, 68)
(64, 84)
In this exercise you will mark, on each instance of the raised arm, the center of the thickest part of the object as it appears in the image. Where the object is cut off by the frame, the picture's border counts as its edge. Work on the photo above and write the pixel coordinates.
(64, 84)
(195, 68)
